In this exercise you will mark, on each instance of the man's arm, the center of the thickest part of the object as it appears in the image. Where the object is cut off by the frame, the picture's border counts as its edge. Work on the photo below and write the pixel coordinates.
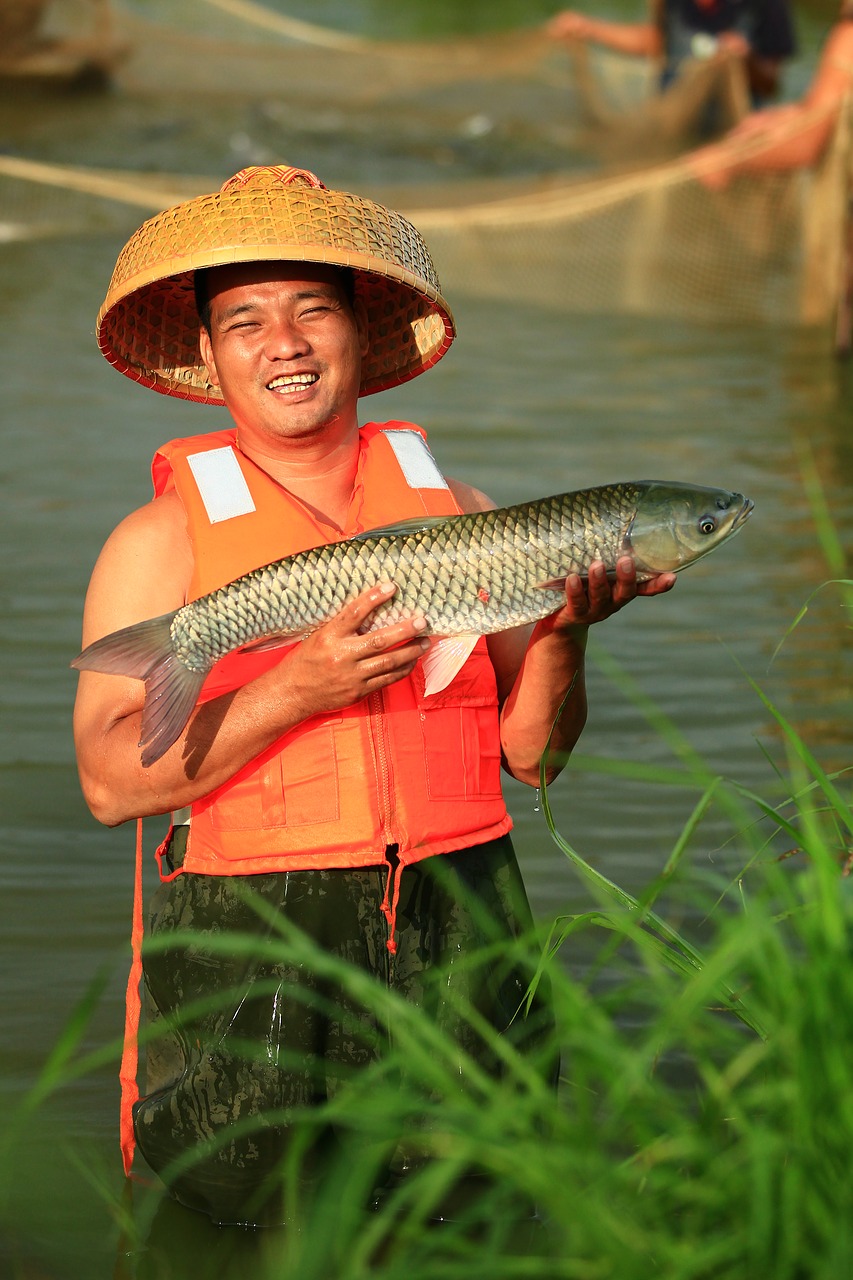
(637, 39)
(553, 664)
(536, 666)
(143, 571)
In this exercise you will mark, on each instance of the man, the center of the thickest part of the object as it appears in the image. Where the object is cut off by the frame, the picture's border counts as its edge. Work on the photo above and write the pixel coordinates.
(759, 31)
(359, 809)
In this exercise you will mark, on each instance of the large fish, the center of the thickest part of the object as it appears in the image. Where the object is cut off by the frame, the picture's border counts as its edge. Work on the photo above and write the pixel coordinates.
(467, 575)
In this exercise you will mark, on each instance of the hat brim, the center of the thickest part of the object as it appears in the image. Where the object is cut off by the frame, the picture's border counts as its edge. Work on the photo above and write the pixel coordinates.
(148, 326)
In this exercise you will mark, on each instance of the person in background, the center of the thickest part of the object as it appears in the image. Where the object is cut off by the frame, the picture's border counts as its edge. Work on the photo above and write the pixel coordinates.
(759, 31)
(790, 135)
(366, 813)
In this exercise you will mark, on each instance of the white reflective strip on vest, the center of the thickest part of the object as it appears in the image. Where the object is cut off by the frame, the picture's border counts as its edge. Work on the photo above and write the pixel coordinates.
(416, 462)
(181, 817)
(221, 484)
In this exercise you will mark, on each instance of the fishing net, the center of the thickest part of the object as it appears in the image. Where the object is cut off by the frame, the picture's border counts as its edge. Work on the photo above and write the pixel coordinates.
(38, 200)
(517, 85)
(582, 199)
(518, 80)
(767, 247)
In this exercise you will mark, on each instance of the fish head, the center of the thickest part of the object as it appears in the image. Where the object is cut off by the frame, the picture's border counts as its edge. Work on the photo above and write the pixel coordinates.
(675, 524)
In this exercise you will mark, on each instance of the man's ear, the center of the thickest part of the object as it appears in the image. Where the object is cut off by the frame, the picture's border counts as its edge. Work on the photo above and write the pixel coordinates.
(205, 348)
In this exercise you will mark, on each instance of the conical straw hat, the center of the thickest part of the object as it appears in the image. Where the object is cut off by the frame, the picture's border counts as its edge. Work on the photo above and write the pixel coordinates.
(148, 326)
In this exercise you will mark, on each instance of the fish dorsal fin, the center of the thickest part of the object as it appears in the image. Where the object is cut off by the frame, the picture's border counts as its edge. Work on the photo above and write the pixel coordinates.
(417, 524)
(445, 659)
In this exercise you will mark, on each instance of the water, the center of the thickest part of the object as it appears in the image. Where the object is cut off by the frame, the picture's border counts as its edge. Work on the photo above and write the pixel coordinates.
(527, 402)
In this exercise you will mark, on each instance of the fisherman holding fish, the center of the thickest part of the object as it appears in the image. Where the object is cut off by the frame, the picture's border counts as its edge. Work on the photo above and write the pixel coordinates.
(317, 766)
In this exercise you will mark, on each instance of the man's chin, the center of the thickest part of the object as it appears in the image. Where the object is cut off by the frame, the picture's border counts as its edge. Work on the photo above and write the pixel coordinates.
(307, 426)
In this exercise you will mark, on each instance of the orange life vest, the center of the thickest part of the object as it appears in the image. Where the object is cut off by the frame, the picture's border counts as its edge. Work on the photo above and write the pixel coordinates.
(398, 768)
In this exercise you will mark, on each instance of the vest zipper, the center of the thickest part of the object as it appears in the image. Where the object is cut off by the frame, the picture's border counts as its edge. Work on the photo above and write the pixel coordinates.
(376, 703)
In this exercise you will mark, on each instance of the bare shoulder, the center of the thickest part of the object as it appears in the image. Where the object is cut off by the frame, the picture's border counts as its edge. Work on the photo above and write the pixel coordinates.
(151, 537)
(143, 570)
(469, 498)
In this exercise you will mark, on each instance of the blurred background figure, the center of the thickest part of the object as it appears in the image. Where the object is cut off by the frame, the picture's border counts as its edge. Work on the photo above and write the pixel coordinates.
(760, 32)
(790, 135)
(58, 44)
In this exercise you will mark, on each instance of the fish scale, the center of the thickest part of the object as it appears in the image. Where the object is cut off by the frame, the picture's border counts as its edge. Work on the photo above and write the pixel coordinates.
(466, 575)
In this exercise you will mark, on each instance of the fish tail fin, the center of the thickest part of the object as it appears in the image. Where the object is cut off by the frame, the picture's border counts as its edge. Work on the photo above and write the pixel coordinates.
(145, 652)
(132, 651)
(171, 692)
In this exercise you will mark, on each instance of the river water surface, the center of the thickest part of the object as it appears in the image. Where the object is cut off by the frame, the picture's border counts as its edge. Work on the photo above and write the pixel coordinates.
(528, 402)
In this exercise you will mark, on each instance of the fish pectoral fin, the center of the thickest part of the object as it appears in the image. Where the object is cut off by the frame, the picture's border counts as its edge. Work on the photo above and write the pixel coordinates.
(444, 660)
(273, 642)
(417, 524)
(553, 584)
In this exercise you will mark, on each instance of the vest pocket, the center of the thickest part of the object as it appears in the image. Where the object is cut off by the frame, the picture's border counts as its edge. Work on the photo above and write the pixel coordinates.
(308, 778)
(298, 786)
(462, 750)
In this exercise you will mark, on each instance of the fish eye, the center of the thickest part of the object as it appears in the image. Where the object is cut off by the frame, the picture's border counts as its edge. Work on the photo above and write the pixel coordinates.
(707, 524)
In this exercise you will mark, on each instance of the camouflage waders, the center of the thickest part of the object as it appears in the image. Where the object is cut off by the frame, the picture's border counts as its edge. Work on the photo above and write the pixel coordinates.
(276, 1036)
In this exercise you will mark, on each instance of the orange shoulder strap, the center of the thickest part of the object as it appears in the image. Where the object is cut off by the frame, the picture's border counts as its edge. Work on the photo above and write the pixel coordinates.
(133, 1008)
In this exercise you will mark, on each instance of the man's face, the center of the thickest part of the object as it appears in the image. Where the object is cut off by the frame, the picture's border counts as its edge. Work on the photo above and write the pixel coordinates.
(285, 348)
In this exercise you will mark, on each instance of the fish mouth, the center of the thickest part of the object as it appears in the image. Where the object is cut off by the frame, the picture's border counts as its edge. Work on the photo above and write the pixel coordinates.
(746, 508)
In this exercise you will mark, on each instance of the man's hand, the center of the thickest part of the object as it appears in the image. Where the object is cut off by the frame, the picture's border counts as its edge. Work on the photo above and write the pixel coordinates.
(568, 25)
(733, 44)
(336, 665)
(599, 598)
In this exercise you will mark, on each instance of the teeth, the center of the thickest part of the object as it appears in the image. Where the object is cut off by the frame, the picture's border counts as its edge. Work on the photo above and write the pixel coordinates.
(292, 382)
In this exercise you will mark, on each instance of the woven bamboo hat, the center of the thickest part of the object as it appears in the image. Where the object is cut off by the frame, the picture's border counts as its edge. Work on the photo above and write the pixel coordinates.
(148, 326)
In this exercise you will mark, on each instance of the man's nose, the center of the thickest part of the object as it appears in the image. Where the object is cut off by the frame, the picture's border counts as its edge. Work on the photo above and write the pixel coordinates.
(285, 340)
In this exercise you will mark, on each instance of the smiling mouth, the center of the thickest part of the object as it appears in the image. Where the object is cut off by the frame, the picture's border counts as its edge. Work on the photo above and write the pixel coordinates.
(290, 382)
